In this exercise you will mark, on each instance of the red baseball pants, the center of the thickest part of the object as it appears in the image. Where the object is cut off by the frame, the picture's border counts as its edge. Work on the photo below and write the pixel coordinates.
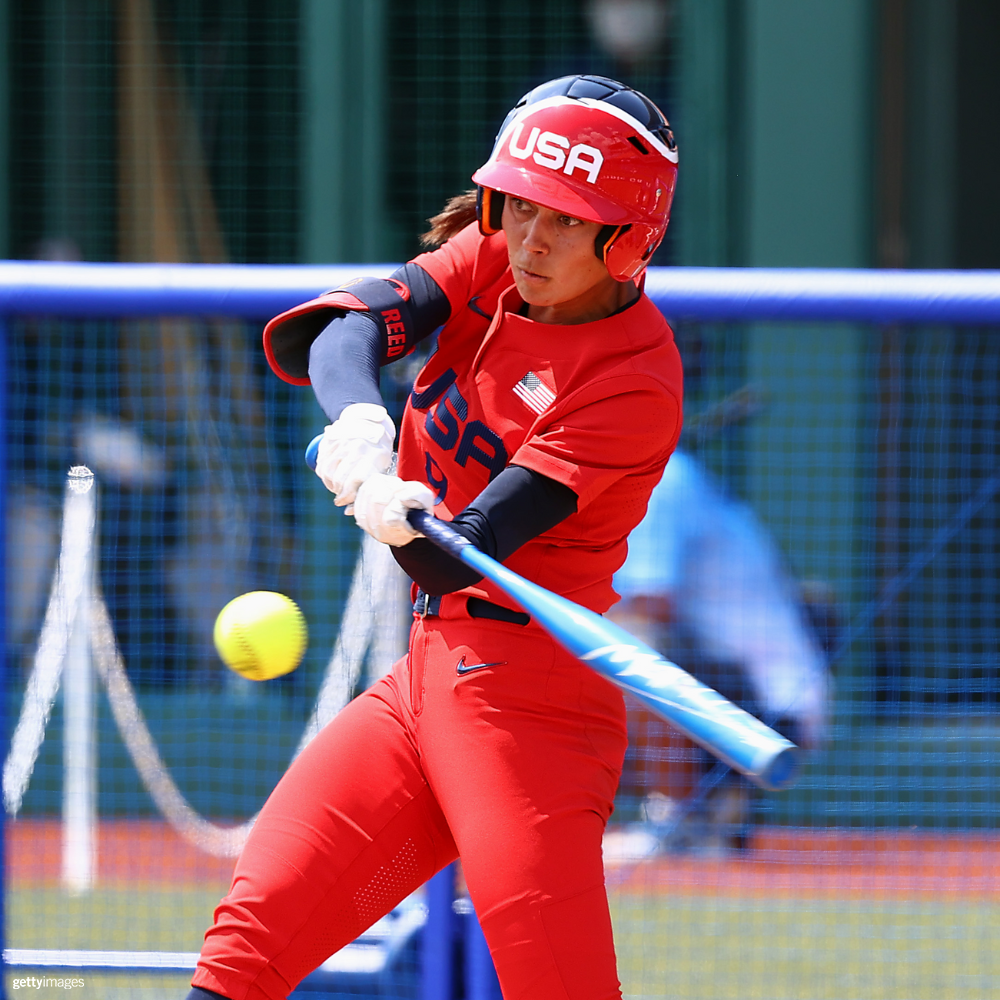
(512, 766)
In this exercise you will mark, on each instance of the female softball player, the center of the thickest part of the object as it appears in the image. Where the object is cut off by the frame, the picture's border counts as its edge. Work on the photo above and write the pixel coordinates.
(538, 428)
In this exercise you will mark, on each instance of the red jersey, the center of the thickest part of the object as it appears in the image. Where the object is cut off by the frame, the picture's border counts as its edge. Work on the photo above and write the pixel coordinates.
(595, 406)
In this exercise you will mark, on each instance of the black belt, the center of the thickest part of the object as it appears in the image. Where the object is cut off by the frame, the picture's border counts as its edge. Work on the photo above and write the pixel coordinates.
(427, 606)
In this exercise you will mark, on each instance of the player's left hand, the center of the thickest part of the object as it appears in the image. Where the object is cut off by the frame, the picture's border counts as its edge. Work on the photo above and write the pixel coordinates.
(354, 447)
(381, 506)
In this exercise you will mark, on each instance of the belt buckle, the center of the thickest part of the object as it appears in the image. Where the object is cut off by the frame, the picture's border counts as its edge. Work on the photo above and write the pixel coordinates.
(421, 605)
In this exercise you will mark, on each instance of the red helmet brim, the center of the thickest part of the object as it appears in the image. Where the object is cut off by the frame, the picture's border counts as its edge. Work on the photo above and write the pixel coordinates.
(549, 191)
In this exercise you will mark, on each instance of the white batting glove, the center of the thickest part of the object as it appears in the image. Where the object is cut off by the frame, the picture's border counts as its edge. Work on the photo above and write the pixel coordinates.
(354, 447)
(382, 504)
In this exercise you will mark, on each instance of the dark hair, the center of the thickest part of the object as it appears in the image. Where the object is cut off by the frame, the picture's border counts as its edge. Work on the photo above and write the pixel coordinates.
(459, 212)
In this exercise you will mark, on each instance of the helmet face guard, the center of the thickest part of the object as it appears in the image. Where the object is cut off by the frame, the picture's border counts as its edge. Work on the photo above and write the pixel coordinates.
(592, 160)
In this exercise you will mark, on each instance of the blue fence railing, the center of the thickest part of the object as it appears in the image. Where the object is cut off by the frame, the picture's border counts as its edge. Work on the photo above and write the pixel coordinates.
(81, 289)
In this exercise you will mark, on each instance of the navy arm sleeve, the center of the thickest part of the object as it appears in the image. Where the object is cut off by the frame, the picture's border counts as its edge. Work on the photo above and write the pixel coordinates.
(345, 357)
(517, 506)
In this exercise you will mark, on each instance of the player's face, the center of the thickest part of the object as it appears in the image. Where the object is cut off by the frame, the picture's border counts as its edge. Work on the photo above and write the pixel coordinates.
(555, 268)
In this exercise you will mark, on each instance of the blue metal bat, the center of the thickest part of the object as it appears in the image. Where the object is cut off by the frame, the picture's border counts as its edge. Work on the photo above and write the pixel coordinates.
(701, 713)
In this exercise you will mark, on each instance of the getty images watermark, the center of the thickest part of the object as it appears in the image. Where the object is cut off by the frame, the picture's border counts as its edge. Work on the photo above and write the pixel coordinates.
(46, 982)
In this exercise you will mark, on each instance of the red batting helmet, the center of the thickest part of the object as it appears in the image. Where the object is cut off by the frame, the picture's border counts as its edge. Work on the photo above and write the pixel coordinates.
(594, 149)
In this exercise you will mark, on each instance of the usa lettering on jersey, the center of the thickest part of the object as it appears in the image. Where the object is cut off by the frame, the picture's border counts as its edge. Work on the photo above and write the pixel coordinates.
(548, 149)
(534, 393)
(449, 427)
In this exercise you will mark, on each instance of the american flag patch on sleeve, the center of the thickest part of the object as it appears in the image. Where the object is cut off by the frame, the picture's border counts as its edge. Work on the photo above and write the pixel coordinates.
(534, 393)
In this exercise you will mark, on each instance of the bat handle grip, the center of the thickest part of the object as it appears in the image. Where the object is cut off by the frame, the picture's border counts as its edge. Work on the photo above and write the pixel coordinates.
(439, 532)
(427, 524)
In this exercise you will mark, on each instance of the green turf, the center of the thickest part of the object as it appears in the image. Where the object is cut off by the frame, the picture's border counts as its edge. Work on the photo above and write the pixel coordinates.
(126, 920)
(112, 919)
(699, 948)
(676, 947)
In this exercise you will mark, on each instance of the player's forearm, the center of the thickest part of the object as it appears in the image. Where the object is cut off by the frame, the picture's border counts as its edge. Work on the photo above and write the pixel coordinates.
(344, 363)
(518, 505)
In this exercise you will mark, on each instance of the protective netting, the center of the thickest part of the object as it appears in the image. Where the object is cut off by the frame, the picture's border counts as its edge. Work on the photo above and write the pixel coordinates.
(857, 468)
(849, 474)
(201, 494)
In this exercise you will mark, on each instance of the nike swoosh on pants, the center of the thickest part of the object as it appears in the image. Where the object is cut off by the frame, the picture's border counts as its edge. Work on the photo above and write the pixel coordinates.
(466, 668)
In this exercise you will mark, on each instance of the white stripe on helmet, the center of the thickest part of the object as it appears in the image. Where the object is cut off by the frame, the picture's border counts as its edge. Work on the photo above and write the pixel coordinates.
(590, 102)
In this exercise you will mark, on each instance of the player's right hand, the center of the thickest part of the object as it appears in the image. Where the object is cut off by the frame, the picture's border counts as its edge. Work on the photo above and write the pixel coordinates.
(355, 447)
(382, 505)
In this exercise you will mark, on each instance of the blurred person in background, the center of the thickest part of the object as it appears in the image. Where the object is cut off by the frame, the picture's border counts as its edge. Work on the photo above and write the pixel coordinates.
(705, 584)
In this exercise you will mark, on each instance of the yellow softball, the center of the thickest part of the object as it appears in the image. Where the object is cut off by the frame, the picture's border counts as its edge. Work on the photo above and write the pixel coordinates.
(261, 635)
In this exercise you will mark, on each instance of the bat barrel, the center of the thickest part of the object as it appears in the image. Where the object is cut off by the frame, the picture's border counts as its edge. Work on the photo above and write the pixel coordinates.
(783, 769)
(727, 731)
